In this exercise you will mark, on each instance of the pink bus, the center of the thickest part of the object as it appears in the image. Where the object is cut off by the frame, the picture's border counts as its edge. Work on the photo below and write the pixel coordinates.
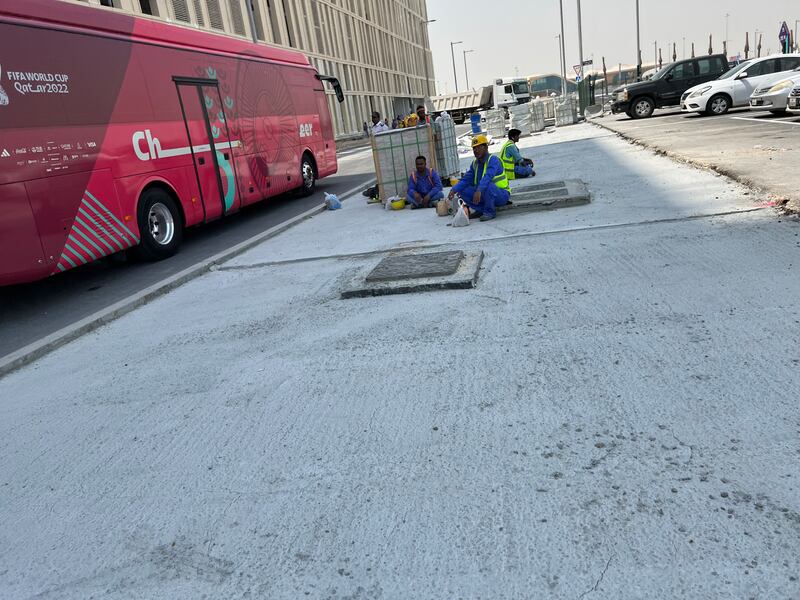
(118, 131)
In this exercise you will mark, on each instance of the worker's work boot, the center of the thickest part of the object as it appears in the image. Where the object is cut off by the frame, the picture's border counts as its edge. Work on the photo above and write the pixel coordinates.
(486, 217)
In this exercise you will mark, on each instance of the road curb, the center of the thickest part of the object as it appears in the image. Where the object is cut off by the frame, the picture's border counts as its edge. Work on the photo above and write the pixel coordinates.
(63, 336)
(788, 207)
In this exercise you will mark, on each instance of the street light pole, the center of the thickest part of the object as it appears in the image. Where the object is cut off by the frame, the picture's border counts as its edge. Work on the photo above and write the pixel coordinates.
(453, 55)
(563, 53)
(580, 39)
(560, 64)
(725, 45)
(424, 25)
(638, 46)
(466, 72)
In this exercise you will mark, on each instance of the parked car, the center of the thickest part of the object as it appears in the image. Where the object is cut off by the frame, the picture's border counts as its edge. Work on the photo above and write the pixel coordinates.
(775, 97)
(735, 87)
(639, 100)
(794, 100)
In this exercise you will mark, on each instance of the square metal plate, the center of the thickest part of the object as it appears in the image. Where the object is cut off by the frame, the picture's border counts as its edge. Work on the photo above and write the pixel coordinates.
(415, 266)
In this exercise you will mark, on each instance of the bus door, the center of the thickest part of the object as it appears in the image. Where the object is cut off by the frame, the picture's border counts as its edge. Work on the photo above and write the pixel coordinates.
(210, 144)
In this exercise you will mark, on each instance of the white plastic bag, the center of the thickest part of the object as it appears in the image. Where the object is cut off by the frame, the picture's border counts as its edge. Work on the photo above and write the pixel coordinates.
(461, 218)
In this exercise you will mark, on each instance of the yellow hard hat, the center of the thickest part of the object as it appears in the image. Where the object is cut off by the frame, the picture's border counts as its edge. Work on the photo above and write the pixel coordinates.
(479, 140)
(398, 204)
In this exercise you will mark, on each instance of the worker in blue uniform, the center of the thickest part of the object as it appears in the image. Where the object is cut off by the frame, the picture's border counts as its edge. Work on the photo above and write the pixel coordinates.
(485, 185)
(516, 167)
(424, 185)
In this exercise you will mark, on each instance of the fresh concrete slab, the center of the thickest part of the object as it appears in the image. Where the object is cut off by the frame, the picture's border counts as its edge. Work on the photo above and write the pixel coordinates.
(610, 413)
(415, 273)
(626, 184)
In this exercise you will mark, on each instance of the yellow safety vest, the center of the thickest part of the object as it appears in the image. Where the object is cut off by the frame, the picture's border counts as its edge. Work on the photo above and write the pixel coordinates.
(508, 162)
(501, 181)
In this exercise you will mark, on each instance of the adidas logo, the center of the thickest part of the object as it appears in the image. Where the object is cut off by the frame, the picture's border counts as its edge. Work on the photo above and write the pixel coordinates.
(4, 154)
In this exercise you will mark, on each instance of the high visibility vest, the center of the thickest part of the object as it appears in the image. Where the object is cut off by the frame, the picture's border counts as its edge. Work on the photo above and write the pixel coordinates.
(430, 177)
(508, 162)
(501, 181)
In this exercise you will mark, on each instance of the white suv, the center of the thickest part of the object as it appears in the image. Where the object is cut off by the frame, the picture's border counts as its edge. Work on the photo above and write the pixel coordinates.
(735, 87)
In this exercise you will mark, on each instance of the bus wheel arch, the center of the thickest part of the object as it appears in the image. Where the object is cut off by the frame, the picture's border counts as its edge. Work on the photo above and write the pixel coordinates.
(309, 173)
(161, 221)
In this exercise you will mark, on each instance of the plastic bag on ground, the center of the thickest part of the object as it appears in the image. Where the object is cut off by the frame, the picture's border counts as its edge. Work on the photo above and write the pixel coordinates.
(332, 202)
(461, 218)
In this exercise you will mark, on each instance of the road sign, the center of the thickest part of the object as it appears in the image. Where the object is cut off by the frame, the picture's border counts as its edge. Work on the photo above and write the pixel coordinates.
(587, 63)
(577, 79)
(578, 70)
(783, 36)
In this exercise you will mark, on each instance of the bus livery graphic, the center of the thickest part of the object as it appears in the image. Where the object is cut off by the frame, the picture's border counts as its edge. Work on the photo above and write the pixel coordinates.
(184, 127)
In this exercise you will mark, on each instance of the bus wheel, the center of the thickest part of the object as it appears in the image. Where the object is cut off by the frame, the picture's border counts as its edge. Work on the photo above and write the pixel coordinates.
(160, 225)
(309, 176)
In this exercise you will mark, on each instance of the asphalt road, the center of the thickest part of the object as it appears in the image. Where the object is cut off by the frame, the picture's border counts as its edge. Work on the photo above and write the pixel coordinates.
(754, 147)
(31, 311)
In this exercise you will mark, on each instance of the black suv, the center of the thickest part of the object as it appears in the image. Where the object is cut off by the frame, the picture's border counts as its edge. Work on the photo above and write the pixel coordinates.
(639, 100)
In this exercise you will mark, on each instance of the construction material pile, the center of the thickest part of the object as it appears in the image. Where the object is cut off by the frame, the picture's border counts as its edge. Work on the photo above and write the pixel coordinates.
(521, 118)
(496, 123)
(537, 116)
(567, 112)
(446, 143)
(394, 153)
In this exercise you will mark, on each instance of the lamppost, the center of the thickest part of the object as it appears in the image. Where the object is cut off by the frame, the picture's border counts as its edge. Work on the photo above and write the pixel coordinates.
(424, 25)
(453, 55)
(638, 46)
(725, 45)
(561, 65)
(580, 39)
(563, 53)
(466, 72)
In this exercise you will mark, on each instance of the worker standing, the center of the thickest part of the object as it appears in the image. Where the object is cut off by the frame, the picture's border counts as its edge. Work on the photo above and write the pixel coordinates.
(485, 185)
(515, 166)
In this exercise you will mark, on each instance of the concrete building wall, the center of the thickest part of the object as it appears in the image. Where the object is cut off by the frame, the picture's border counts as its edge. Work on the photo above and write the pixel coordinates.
(378, 49)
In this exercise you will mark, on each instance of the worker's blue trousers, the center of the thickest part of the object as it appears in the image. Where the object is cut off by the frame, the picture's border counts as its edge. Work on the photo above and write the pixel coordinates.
(435, 197)
(493, 196)
(523, 171)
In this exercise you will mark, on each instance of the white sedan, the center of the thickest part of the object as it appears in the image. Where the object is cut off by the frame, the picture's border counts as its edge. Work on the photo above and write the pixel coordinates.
(735, 87)
(775, 97)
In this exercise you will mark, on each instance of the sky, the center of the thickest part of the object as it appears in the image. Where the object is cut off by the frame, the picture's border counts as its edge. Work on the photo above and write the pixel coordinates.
(522, 38)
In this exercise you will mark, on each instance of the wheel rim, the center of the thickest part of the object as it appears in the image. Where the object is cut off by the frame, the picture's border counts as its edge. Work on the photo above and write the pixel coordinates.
(161, 224)
(308, 175)
(643, 108)
(719, 105)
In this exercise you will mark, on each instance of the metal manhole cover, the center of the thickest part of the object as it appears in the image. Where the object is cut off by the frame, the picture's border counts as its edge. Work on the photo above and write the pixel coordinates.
(415, 266)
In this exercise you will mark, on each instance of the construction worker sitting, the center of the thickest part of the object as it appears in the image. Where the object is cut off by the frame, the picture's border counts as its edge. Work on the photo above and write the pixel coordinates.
(424, 185)
(485, 184)
(515, 166)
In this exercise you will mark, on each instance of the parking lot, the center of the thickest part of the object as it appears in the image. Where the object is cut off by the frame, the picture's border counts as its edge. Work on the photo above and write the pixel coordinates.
(752, 147)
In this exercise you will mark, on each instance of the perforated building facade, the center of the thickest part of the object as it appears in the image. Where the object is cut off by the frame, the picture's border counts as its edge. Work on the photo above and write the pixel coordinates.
(378, 49)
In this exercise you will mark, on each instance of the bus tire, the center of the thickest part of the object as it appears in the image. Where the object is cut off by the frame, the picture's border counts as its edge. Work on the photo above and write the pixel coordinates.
(160, 225)
(308, 175)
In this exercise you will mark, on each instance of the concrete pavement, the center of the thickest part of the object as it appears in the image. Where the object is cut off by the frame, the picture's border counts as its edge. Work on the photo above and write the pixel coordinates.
(611, 413)
(755, 148)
